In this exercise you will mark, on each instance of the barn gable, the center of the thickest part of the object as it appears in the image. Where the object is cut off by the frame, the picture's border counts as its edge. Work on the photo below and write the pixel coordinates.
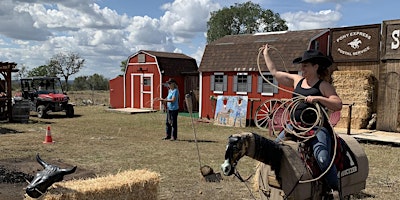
(239, 52)
(173, 64)
(234, 57)
(145, 73)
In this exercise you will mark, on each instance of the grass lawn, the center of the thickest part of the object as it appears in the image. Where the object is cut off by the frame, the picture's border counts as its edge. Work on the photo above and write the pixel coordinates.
(107, 142)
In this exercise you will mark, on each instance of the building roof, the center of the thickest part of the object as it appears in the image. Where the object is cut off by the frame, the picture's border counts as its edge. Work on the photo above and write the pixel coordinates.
(174, 64)
(5, 66)
(239, 52)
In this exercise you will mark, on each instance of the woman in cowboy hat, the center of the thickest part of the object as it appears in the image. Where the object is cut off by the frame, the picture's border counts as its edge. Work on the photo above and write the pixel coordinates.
(172, 101)
(311, 85)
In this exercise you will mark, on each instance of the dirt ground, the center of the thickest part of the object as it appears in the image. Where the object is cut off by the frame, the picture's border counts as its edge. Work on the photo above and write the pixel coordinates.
(101, 143)
(15, 174)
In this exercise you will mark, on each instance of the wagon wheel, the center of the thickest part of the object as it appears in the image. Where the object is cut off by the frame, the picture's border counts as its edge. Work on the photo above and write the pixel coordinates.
(265, 112)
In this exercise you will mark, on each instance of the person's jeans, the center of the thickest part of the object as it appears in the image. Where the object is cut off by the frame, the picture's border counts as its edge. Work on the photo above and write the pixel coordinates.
(322, 151)
(322, 148)
(172, 124)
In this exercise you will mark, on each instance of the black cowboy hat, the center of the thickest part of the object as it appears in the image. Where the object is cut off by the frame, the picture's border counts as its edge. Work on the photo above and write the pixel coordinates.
(171, 80)
(315, 57)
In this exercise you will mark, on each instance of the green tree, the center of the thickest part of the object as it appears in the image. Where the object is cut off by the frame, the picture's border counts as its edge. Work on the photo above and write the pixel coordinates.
(66, 64)
(43, 70)
(97, 82)
(123, 65)
(80, 83)
(244, 18)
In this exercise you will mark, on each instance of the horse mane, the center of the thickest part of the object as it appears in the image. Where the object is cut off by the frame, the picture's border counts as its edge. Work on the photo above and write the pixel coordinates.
(268, 152)
(257, 147)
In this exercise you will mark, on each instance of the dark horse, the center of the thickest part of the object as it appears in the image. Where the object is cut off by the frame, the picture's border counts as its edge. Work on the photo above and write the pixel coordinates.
(45, 178)
(283, 172)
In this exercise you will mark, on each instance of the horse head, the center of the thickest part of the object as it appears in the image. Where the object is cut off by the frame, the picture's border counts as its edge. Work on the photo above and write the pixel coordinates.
(253, 146)
(45, 178)
(235, 149)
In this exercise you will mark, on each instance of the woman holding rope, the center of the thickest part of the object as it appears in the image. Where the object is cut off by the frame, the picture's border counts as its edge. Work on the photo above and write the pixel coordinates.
(172, 101)
(314, 89)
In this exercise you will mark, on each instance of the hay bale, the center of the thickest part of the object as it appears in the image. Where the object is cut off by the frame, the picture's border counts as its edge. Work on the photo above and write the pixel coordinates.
(137, 184)
(356, 87)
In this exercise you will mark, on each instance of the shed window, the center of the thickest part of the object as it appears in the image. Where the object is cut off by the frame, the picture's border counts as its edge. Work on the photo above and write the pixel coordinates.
(242, 83)
(146, 81)
(266, 88)
(219, 83)
(317, 45)
(141, 58)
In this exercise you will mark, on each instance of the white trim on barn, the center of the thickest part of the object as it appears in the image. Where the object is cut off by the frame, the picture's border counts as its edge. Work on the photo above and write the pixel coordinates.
(161, 82)
(200, 93)
(124, 85)
(142, 92)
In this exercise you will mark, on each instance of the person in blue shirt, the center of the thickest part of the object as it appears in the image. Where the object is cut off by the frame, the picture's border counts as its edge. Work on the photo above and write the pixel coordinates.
(172, 101)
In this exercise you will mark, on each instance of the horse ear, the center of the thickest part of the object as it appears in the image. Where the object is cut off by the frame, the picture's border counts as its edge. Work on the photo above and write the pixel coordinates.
(40, 161)
(68, 171)
(233, 139)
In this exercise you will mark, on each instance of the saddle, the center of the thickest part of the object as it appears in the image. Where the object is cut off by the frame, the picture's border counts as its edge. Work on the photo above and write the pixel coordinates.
(306, 153)
(351, 162)
(344, 158)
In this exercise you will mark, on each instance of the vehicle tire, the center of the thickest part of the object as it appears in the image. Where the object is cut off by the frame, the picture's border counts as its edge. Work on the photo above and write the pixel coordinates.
(41, 111)
(69, 111)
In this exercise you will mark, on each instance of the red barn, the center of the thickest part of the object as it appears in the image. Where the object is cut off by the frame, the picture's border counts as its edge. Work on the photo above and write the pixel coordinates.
(146, 71)
(229, 66)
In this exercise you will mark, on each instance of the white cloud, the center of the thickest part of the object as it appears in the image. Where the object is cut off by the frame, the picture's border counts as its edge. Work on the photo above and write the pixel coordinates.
(31, 32)
(145, 30)
(331, 1)
(183, 19)
(311, 20)
(19, 25)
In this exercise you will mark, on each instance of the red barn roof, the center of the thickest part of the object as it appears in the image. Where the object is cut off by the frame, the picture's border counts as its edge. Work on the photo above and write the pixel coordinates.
(239, 52)
(173, 64)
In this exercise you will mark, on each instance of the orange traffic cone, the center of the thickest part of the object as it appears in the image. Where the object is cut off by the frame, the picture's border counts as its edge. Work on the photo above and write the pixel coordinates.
(48, 138)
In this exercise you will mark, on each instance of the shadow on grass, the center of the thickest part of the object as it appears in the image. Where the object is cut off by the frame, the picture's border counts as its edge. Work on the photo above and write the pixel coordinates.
(8, 131)
(57, 116)
(363, 195)
(392, 144)
(61, 116)
(203, 141)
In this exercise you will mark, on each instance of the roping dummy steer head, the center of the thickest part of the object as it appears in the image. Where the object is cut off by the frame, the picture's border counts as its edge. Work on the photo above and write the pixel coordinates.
(45, 178)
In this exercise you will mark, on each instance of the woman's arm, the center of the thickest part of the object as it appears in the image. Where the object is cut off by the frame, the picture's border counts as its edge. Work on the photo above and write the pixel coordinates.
(172, 99)
(283, 78)
(330, 99)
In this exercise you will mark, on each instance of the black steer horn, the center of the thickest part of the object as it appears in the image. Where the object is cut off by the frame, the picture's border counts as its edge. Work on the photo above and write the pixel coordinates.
(45, 178)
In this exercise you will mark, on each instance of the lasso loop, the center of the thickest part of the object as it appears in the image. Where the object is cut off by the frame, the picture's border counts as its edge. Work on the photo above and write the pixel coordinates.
(288, 107)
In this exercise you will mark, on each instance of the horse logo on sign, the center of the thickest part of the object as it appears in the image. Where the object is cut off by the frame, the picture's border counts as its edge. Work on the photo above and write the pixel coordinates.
(355, 44)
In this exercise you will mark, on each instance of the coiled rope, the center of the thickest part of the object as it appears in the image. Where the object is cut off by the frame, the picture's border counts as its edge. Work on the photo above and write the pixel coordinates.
(289, 106)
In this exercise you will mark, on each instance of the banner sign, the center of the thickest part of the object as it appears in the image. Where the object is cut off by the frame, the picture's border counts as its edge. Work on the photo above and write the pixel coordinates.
(391, 40)
(358, 43)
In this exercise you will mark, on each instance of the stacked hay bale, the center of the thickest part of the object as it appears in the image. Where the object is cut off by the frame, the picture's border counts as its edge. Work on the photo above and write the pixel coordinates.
(356, 87)
(138, 184)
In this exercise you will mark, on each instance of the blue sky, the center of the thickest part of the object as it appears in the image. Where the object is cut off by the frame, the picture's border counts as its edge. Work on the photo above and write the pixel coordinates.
(105, 32)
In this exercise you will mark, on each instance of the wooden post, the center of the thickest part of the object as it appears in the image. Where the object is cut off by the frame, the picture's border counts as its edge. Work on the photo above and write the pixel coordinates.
(349, 118)
(251, 109)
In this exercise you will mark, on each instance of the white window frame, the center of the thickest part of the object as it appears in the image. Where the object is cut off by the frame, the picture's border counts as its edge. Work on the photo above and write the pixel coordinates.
(224, 82)
(274, 81)
(236, 83)
(141, 58)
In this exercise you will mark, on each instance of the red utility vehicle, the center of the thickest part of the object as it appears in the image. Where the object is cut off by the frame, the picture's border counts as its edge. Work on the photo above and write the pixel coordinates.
(46, 95)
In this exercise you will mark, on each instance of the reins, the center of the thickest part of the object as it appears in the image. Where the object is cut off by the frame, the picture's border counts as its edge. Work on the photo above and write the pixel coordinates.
(237, 175)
